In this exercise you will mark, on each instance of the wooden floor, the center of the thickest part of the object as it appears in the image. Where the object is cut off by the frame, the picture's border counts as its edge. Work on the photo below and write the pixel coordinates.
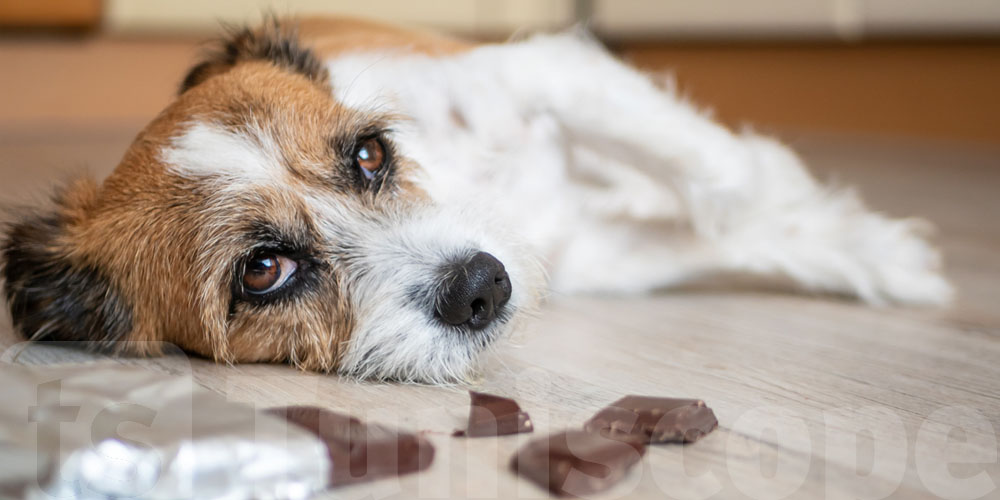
(816, 397)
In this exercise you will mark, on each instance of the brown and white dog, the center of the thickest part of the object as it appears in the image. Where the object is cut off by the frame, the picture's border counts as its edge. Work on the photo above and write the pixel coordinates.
(371, 200)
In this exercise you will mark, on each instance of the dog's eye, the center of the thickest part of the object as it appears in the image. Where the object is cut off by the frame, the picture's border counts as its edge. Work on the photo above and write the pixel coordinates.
(267, 272)
(369, 157)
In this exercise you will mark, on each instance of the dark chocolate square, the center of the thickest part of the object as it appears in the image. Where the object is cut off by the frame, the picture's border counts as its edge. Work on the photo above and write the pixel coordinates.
(654, 420)
(491, 415)
(576, 462)
(358, 451)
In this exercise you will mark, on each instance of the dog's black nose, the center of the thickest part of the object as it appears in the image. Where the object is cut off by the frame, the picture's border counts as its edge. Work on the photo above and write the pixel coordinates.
(473, 291)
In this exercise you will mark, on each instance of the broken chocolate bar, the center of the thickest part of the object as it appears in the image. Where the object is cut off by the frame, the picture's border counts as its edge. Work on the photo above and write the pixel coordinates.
(576, 462)
(360, 452)
(491, 415)
(654, 420)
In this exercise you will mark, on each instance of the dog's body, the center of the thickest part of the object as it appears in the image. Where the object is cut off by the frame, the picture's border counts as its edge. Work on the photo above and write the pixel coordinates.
(377, 205)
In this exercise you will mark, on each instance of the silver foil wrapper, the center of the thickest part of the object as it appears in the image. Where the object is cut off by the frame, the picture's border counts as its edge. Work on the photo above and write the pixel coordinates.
(107, 431)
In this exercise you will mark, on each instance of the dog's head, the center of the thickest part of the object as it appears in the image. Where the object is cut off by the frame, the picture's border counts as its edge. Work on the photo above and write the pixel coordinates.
(257, 219)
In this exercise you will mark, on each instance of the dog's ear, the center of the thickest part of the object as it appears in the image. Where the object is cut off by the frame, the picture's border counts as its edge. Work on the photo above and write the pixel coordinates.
(53, 292)
(274, 41)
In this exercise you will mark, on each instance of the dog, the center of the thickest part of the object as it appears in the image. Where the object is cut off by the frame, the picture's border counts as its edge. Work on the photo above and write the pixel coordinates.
(387, 203)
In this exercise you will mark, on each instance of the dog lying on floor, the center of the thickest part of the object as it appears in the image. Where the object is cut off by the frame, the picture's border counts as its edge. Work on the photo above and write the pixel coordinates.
(374, 201)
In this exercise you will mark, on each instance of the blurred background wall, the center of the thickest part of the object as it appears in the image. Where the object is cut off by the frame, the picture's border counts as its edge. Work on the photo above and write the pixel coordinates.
(675, 19)
(911, 68)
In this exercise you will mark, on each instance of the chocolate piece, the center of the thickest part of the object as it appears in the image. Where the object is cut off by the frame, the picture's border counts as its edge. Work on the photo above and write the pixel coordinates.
(360, 452)
(576, 462)
(654, 420)
(491, 415)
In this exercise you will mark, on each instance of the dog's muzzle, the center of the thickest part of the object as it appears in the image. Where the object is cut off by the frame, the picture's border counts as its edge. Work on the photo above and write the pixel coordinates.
(473, 292)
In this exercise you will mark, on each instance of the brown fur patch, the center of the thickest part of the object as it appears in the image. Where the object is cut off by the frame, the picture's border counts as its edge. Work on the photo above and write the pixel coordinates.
(177, 240)
(160, 251)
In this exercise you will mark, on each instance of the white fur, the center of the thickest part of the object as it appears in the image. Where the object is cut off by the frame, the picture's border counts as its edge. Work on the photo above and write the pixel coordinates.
(207, 149)
(623, 187)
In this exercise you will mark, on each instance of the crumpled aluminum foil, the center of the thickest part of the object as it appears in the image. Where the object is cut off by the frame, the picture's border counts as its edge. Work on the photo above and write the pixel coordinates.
(108, 431)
